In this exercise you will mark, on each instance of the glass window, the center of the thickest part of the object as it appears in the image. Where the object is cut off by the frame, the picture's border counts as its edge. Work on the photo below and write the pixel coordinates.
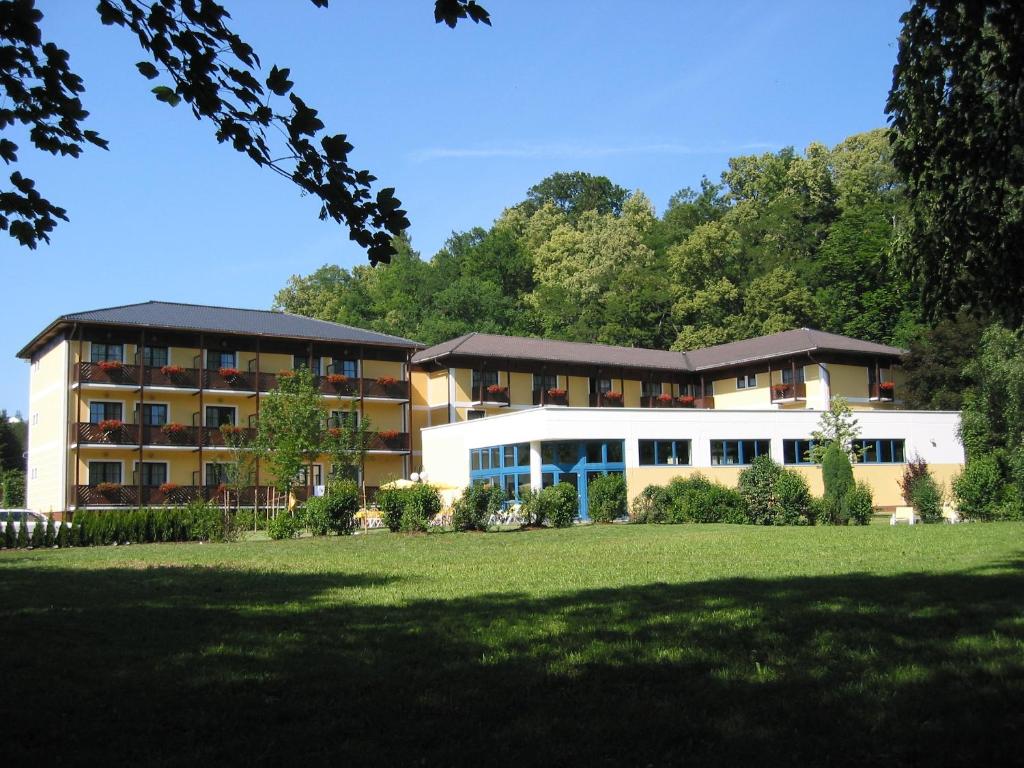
(154, 473)
(217, 474)
(345, 367)
(155, 357)
(747, 381)
(614, 452)
(544, 381)
(474, 460)
(880, 451)
(547, 453)
(102, 411)
(485, 459)
(302, 361)
(547, 479)
(650, 388)
(495, 457)
(598, 385)
(648, 458)
(523, 455)
(219, 415)
(100, 352)
(568, 453)
(728, 452)
(664, 452)
(787, 375)
(796, 451)
(318, 475)
(595, 452)
(342, 418)
(484, 379)
(216, 359)
(682, 451)
(154, 415)
(104, 472)
(509, 486)
(509, 459)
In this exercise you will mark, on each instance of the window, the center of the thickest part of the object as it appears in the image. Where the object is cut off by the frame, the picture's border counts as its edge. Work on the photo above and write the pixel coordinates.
(345, 367)
(346, 472)
(318, 475)
(502, 466)
(600, 386)
(219, 415)
(728, 452)
(748, 381)
(302, 361)
(473, 415)
(795, 451)
(154, 473)
(650, 388)
(103, 410)
(35, 419)
(880, 451)
(104, 472)
(154, 414)
(484, 379)
(155, 357)
(343, 418)
(544, 381)
(218, 474)
(787, 375)
(100, 352)
(216, 359)
(664, 452)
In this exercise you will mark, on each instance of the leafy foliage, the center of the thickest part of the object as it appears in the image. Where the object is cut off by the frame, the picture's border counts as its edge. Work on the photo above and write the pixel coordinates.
(859, 503)
(914, 470)
(10, 534)
(12, 488)
(837, 426)
(562, 504)
(606, 498)
(980, 488)
(284, 526)
(693, 499)
(774, 495)
(955, 108)
(475, 506)
(933, 371)
(292, 427)
(335, 511)
(926, 497)
(197, 521)
(421, 503)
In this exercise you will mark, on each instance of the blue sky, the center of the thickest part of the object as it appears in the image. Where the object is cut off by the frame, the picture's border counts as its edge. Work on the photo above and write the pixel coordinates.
(461, 122)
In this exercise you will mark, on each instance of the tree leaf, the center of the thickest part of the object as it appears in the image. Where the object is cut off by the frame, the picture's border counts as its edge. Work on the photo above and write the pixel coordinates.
(147, 70)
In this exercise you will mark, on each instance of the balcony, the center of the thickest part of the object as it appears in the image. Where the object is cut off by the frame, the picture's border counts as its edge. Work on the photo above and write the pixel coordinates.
(553, 396)
(389, 440)
(703, 402)
(117, 495)
(884, 392)
(180, 435)
(605, 399)
(788, 393)
(492, 395)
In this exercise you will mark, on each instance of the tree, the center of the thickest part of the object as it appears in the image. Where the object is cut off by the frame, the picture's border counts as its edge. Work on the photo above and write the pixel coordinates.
(576, 193)
(955, 107)
(346, 441)
(12, 448)
(210, 68)
(835, 427)
(934, 377)
(292, 427)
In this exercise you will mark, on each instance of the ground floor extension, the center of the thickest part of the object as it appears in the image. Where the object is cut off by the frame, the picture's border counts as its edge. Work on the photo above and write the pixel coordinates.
(547, 445)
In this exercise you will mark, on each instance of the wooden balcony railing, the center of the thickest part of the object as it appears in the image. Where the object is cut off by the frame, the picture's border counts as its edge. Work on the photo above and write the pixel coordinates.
(544, 397)
(602, 400)
(884, 392)
(125, 434)
(395, 390)
(128, 495)
(704, 402)
(384, 441)
(342, 385)
(781, 393)
(499, 395)
(657, 401)
(128, 434)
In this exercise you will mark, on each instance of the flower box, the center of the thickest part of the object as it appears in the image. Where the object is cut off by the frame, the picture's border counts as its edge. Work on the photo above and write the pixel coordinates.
(687, 401)
(285, 374)
(110, 425)
(556, 392)
(167, 488)
(108, 489)
(887, 387)
(613, 395)
(781, 391)
(337, 378)
(387, 434)
(173, 428)
(171, 370)
(110, 366)
(497, 389)
(229, 373)
(230, 430)
(335, 432)
(664, 397)
(386, 381)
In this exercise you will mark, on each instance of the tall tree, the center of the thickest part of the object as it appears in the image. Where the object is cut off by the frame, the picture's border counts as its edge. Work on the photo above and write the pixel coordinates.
(203, 63)
(292, 428)
(576, 193)
(957, 113)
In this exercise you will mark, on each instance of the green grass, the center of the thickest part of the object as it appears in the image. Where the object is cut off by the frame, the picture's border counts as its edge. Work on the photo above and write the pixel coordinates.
(646, 645)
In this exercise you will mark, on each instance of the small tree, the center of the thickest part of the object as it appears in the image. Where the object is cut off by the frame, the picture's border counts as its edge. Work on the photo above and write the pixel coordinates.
(979, 488)
(915, 469)
(22, 540)
(837, 475)
(51, 533)
(63, 536)
(927, 499)
(532, 509)
(240, 469)
(562, 502)
(12, 488)
(836, 425)
(292, 428)
(347, 443)
(10, 534)
(422, 502)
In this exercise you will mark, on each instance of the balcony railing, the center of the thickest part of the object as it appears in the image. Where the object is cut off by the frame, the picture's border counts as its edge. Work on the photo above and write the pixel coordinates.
(389, 441)
(884, 392)
(783, 393)
(605, 400)
(128, 434)
(123, 434)
(492, 395)
(243, 381)
(704, 402)
(544, 397)
(128, 495)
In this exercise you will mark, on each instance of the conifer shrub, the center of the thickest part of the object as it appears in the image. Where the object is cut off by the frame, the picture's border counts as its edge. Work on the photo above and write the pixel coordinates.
(10, 535)
(37, 539)
(562, 502)
(22, 540)
(606, 498)
(473, 509)
(837, 474)
(50, 537)
(63, 535)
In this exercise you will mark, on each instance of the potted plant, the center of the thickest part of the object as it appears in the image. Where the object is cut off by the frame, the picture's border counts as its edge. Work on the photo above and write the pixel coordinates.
(496, 389)
(337, 378)
(386, 381)
(173, 428)
(168, 488)
(781, 391)
(387, 434)
(110, 366)
(664, 398)
(335, 432)
(886, 388)
(687, 401)
(556, 392)
(230, 430)
(108, 489)
(171, 371)
(110, 426)
(613, 396)
(231, 374)
(285, 374)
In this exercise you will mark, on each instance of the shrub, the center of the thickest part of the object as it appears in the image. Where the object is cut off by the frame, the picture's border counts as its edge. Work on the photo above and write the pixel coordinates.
(562, 504)
(197, 521)
(915, 469)
(475, 506)
(979, 488)
(63, 536)
(283, 526)
(422, 502)
(50, 538)
(38, 537)
(650, 506)
(22, 540)
(859, 504)
(926, 497)
(315, 516)
(793, 497)
(696, 499)
(334, 512)
(606, 498)
(532, 508)
(12, 488)
(10, 535)
(837, 474)
(391, 502)
(757, 486)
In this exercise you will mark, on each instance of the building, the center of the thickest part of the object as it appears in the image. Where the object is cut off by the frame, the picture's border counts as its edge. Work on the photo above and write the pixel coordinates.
(127, 405)
(655, 415)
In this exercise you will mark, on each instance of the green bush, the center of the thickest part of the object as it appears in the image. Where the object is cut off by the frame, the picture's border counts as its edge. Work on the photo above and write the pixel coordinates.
(532, 509)
(650, 506)
(774, 495)
(837, 474)
(562, 504)
(284, 526)
(794, 499)
(475, 506)
(315, 516)
(197, 521)
(979, 488)
(334, 512)
(38, 538)
(926, 497)
(859, 504)
(696, 499)
(248, 520)
(50, 537)
(10, 535)
(12, 488)
(22, 540)
(391, 503)
(422, 503)
(606, 498)
(63, 536)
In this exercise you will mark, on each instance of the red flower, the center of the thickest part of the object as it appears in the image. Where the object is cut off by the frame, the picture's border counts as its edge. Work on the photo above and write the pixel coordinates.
(613, 395)
(229, 373)
(285, 374)
(167, 488)
(110, 425)
(556, 392)
(110, 365)
(108, 488)
(171, 370)
(664, 397)
(887, 386)
(337, 378)
(387, 434)
(687, 400)
(386, 381)
(496, 389)
(173, 428)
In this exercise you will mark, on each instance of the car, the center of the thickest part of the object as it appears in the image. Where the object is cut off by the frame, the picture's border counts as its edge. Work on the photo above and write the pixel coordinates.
(22, 517)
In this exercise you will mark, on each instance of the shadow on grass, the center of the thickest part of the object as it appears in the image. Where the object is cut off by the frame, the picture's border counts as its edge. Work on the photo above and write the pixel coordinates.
(186, 666)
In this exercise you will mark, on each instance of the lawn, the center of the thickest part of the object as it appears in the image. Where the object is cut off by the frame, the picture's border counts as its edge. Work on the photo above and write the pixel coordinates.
(645, 645)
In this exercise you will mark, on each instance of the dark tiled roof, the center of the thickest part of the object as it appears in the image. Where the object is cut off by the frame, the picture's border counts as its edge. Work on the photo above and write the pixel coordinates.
(783, 344)
(198, 317)
(736, 353)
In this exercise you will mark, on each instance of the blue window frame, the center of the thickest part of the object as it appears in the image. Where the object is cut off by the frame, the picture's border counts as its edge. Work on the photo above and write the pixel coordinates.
(795, 451)
(738, 452)
(345, 367)
(880, 450)
(502, 466)
(661, 453)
